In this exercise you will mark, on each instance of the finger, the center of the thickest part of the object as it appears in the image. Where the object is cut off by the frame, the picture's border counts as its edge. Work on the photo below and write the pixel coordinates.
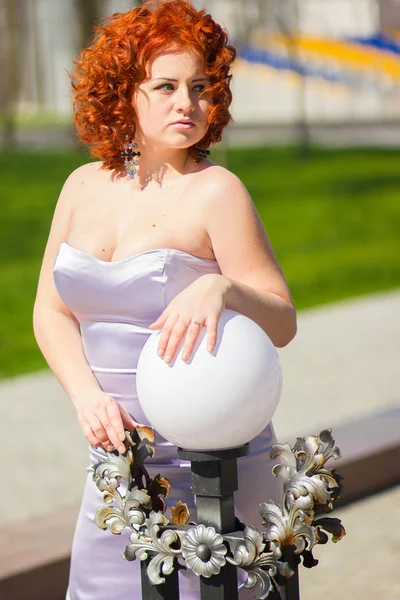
(89, 435)
(112, 423)
(98, 430)
(212, 329)
(190, 340)
(164, 337)
(127, 420)
(175, 337)
(159, 322)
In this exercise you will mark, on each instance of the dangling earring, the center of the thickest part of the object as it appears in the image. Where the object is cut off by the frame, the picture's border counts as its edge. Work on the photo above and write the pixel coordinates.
(200, 155)
(131, 157)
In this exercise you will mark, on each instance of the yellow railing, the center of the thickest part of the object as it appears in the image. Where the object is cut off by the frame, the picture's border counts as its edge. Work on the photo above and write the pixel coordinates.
(347, 54)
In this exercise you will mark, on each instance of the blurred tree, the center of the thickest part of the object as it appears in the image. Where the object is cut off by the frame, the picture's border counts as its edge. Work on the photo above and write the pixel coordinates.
(9, 66)
(288, 21)
(282, 16)
(250, 15)
(88, 12)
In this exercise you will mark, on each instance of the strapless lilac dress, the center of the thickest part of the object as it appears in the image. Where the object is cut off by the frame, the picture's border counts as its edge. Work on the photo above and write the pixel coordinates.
(115, 302)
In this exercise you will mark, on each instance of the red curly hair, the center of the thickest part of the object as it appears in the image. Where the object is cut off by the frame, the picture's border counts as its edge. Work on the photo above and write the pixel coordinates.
(107, 71)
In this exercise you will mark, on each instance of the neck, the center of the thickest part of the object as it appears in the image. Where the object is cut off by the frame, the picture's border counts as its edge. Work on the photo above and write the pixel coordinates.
(160, 165)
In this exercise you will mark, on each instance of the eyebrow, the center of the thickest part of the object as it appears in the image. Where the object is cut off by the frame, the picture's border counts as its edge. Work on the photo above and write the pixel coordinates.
(175, 80)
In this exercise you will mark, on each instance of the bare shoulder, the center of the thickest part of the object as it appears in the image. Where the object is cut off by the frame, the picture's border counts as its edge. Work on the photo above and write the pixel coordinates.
(88, 169)
(83, 178)
(237, 234)
(220, 183)
(88, 172)
(70, 197)
(225, 198)
(222, 192)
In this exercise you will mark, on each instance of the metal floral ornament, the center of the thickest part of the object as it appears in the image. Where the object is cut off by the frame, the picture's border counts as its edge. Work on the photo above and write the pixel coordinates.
(291, 530)
(204, 550)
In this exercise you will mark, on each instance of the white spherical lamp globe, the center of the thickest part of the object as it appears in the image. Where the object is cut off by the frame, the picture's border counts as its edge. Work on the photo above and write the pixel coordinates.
(214, 400)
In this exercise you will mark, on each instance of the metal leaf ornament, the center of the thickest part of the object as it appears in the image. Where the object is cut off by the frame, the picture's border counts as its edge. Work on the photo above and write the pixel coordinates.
(261, 566)
(180, 513)
(308, 485)
(133, 507)
(163, 546)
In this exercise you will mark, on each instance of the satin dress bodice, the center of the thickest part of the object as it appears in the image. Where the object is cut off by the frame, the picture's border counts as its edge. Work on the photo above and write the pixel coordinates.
(115, 302)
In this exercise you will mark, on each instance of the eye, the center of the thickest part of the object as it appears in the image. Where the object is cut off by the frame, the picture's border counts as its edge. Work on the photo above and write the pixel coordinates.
(169, 87)
(166, 86)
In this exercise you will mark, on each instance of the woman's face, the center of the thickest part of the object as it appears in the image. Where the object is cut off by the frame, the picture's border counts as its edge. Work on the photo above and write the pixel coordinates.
(170, 110)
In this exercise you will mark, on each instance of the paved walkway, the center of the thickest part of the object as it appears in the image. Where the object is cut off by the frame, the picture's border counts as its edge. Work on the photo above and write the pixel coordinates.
(342, 365)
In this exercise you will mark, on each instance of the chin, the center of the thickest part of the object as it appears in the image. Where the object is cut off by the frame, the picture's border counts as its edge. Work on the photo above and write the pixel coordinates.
(185, 141)
(182, 144)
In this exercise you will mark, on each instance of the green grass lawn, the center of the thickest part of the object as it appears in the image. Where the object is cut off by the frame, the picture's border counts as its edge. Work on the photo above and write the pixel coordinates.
(333, 221)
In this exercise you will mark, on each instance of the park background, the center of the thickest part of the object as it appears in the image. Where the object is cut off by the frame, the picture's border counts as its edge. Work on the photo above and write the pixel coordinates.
(316, 140)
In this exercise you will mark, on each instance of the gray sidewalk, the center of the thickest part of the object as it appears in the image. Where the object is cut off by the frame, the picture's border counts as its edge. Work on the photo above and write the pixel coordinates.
(342, 365)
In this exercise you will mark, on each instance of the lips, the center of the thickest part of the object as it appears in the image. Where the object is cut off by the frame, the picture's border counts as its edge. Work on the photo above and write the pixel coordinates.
(183, 122)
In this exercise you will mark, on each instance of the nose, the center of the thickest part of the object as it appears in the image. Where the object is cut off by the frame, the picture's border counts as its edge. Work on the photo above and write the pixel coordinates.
(184, 101)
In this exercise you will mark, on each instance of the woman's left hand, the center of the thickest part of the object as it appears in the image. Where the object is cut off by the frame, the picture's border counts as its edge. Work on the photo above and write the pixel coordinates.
(198, 305)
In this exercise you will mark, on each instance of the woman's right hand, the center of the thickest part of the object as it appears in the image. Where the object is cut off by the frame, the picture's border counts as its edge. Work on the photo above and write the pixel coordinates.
(103, 420)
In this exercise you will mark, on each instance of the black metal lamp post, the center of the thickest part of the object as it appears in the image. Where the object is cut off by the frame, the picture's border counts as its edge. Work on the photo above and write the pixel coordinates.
(214, 480)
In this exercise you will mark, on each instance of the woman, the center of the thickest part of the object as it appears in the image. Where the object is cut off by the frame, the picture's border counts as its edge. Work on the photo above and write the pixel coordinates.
(155, 236)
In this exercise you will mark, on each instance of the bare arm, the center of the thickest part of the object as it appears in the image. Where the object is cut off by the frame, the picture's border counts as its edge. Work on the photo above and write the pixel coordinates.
(251, 281)
(255, 284)
(57, 333)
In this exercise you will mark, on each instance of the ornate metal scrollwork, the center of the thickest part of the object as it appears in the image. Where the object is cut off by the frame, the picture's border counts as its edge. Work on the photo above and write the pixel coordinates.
(309, 491)
(142, 506)
(261, 564)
